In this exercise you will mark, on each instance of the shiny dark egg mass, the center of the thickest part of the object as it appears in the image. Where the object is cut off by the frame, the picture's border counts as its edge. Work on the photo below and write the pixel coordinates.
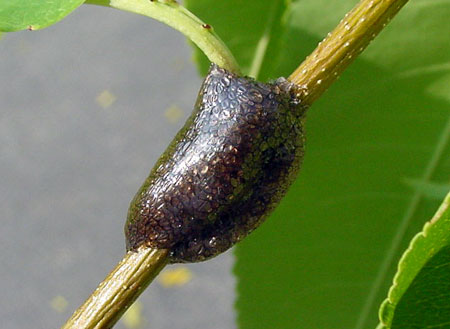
(224, 172)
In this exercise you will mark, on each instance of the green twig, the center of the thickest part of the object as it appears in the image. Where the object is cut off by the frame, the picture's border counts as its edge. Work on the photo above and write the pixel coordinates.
(119, 289)
(340, 48)
(181, 19)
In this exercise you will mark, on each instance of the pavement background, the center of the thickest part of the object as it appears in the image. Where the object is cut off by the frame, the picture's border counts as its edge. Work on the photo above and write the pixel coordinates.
(86, 107)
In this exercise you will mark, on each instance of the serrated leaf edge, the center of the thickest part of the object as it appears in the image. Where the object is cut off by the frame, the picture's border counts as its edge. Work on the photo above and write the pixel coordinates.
(387, 307)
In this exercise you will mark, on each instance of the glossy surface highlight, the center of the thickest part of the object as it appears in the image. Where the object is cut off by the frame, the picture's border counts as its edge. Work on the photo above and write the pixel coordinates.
(226, 169)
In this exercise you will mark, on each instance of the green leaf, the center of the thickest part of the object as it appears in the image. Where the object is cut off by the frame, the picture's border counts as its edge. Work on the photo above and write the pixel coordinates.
(16, 15)
(326, 257)
(420, 295)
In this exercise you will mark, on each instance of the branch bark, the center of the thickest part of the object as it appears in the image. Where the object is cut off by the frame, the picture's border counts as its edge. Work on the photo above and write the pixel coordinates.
(341, 47)
(119, 289)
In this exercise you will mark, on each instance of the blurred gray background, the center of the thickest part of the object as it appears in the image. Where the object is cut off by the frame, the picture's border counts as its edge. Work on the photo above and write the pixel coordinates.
(86, 107)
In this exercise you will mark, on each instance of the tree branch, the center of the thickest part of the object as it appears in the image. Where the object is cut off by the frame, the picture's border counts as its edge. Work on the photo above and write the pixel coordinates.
(119, 289)
(340, 48)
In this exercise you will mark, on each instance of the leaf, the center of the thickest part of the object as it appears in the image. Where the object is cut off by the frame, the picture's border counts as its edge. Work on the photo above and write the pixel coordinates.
(325, 257)
(420, 295)
(16, 15)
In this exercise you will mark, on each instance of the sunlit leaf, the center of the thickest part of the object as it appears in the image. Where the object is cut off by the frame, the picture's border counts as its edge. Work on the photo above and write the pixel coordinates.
(18, 15)
(420, 295)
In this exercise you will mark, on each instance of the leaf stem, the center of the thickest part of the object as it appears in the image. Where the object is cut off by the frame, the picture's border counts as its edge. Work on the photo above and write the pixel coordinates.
(173, 14)
(353, 34)
(119, 289)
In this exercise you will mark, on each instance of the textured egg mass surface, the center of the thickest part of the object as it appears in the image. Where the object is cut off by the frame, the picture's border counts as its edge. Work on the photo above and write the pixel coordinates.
(226, 169)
